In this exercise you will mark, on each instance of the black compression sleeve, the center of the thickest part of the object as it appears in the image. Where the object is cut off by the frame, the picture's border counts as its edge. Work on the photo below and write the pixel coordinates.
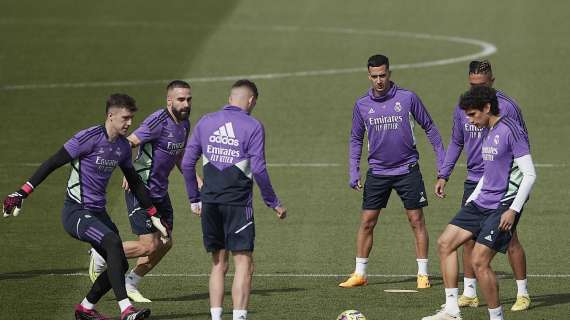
(137, 187)
(57, 160)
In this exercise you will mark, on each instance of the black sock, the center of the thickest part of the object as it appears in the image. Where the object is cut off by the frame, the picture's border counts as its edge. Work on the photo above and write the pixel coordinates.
(114, 276)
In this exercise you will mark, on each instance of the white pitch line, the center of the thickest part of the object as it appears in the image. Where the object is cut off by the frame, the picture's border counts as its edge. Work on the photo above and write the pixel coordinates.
(265, 275)
(487, 49)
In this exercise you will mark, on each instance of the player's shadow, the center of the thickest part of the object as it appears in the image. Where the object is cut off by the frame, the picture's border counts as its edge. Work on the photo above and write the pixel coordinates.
(205, 295)
(38, 273)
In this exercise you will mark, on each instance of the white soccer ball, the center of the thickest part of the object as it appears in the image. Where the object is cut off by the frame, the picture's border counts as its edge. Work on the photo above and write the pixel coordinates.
(351, 315)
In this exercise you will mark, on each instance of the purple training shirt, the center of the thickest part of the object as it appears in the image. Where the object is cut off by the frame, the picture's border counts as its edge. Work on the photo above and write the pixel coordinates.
(162, 145)
(94, 159)
(232, 144)
(503, 143)
(389, 121)
(467, 136)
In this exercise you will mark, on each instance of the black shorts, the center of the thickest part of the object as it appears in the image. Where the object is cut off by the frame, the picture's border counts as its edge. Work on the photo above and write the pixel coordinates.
(227, 227)
(86, 225)
(468, 188)
(410, 187)
(484, 224)
(139, 219)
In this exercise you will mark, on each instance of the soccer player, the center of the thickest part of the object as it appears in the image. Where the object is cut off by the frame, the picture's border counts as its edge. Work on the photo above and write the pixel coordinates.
(161, 139)
(94, 153)
(493, 210)
(468, 136)
(232, 144)
(387, 113)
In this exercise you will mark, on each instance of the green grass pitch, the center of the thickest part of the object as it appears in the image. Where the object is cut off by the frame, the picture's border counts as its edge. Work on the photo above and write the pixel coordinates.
(59, 60)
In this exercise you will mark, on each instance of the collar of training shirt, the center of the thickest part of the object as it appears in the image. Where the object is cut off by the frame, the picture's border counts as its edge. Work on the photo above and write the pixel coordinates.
(229, 107)
(388, 95)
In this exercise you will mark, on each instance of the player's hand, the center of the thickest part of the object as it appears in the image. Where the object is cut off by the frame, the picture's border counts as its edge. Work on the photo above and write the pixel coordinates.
(281, 212)
(356, 185)
(507, 220)
(125, 185)
(161, 227)
(439, 188)
(196, 208)
(13, 204)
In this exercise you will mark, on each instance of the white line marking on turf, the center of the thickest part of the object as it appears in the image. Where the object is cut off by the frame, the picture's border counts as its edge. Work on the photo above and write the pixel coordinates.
(267, 275)
(487, 49)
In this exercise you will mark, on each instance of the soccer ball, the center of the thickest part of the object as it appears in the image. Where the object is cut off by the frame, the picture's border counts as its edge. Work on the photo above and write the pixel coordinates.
(351, 315)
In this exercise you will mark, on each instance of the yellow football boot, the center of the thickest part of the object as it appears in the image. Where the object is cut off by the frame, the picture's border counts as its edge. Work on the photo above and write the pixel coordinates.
(355, 280)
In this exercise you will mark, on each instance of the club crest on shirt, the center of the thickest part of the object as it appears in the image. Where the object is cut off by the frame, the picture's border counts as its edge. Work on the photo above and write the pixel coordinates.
(398, 107)
(118, 152)
(496, 139)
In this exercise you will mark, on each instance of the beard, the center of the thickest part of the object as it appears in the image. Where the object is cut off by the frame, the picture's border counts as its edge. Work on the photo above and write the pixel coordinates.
(181, 115)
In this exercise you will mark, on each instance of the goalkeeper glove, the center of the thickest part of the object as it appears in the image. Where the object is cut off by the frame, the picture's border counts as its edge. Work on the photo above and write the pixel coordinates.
(13, 203)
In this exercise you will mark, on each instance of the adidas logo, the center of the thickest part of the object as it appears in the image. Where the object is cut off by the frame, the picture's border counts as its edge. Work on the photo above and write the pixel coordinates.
(489, 238)
(422, 199)
(225, 135)
(170, 135)
(371, 111)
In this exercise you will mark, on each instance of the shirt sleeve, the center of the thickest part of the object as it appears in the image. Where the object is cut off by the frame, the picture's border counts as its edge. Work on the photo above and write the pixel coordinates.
(192, 153)
(526, 166)
(355, 146)
(424, 119)
(514, 112)
(518, 142)
(455, 146)
(150, 129)
(256, 153)
(80, 144)
(127, 159)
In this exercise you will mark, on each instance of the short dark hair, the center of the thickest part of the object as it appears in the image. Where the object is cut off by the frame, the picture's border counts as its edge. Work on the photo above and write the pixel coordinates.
(378, 60)
(177, 84)
(248, 84)
(477, 97)
(480, 67)
(121, 100)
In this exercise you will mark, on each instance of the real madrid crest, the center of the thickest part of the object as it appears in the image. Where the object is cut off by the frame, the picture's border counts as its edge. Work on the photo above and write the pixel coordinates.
(397, 107)
(496, 139)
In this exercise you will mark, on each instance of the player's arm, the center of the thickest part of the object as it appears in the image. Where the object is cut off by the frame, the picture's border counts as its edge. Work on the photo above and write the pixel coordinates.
(13, 203)
(422, 116)
(355, 149)
(256, 151)
(192, 153)
(135, 142)
(452, 154)
(526, 166)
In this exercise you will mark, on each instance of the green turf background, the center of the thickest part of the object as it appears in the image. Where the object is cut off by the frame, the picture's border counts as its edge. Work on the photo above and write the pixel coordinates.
(307, 121)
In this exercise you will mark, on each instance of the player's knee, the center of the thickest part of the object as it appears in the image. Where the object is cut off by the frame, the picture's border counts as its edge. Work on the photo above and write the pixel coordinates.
(416, 221)
(478, 264)
(368, 225)
(443, 245)
(514, 246)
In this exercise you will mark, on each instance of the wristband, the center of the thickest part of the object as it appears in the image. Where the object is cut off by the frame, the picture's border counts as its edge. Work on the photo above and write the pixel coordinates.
(151, 211)
(26, 189)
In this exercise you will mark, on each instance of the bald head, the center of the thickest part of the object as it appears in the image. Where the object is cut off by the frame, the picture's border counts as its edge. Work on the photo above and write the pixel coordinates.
(244, 95)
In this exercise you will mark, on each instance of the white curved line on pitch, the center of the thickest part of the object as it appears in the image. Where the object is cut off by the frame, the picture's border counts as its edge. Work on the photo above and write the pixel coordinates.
(486, 50)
